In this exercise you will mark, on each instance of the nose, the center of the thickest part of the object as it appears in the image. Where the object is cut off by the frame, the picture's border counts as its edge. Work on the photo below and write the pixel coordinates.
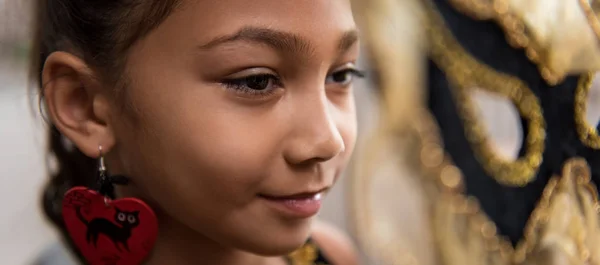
(316, 136)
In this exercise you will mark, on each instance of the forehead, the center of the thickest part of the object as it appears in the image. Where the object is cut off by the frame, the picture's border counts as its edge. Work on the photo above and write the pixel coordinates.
(203, 20)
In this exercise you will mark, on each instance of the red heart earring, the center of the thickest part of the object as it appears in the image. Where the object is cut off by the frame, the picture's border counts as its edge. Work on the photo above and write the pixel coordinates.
(107, 231)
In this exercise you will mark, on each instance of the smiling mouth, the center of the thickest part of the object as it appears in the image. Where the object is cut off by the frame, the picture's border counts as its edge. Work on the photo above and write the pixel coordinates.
(300, 205)
(298, 196)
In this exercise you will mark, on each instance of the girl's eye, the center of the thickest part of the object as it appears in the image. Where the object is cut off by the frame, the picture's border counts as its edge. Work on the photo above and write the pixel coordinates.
(254, 85)
(344, 77)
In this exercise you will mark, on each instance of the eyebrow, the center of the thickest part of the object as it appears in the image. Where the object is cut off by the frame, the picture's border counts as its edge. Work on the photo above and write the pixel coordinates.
(349, 38)
(280, 40)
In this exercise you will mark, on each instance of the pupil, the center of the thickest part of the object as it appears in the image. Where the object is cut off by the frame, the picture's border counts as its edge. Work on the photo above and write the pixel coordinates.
(340, 77)
(258, 82)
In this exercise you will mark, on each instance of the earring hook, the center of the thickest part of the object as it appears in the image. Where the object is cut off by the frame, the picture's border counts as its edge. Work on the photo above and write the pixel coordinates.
(105, 181)
(102, 165)
(103, 178)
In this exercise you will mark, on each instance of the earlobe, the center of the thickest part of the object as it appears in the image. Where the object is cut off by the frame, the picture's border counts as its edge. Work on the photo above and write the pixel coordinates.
(76, 103)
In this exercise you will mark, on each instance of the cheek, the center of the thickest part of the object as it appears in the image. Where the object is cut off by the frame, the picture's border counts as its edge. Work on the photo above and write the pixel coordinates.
(346, 122)
(348, 130)
(192, 144)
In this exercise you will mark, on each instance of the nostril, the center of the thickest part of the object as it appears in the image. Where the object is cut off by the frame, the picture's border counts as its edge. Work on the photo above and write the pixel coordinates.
(315, 158)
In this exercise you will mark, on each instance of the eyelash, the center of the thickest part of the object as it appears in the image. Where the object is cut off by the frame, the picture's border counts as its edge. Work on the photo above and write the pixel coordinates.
(353, 72)
(240, 85)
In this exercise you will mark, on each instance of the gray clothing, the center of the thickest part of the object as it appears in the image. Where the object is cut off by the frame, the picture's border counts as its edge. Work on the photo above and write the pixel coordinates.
(55, 254)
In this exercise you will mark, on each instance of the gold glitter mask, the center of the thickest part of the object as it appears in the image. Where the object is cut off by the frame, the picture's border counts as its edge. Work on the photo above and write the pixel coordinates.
(427, 187)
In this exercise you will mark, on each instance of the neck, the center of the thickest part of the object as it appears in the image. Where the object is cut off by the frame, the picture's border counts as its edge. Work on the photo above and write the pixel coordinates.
(178, 244)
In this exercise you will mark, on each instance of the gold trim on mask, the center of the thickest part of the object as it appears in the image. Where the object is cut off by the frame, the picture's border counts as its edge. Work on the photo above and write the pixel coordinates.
(465, 235)
(453, 210)
(478, 9)
(466, 73)
(517, 33)
(587, 134)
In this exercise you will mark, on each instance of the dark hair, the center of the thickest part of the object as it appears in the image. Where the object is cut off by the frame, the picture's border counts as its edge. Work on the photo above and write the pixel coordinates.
(100, 32)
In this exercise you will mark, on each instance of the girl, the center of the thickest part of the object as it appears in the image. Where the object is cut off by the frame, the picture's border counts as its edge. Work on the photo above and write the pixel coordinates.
(231, 119)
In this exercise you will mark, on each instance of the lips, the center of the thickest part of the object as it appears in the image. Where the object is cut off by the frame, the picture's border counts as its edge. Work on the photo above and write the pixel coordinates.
(296, 206)
(299, 196)
(295, 196)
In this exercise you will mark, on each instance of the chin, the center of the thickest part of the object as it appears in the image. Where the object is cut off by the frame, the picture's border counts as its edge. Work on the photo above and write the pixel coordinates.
(277, 242)
(273, 249)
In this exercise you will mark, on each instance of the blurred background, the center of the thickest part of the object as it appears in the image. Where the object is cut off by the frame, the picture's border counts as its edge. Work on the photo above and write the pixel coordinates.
(24, 233)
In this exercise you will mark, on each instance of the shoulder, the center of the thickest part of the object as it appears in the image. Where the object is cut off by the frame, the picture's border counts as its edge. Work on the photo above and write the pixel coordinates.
(335, 244)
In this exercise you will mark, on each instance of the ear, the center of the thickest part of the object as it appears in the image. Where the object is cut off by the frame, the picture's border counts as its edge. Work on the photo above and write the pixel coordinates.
(77, 104)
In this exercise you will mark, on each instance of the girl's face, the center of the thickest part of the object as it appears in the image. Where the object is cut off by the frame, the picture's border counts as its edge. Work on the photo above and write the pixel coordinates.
(240, 113)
